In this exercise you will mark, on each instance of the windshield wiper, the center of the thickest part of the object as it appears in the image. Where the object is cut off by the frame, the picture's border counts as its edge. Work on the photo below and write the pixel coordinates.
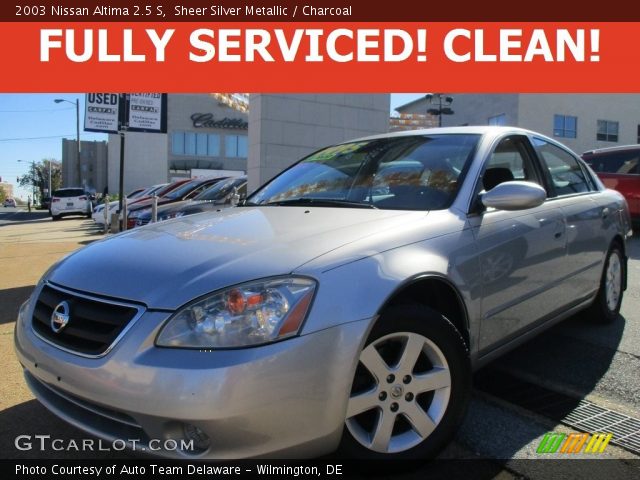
(322, 202)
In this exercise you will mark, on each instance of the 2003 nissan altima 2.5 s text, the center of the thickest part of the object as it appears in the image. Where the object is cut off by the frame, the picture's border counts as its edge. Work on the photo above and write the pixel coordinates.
(343, 305)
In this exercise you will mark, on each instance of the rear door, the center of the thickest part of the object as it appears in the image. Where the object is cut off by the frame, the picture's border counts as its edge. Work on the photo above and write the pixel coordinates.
(520, 251)
(587, 219)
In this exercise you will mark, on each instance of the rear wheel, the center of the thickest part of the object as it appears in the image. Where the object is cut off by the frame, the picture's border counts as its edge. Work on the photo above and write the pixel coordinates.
(606, 306)
(411, 387)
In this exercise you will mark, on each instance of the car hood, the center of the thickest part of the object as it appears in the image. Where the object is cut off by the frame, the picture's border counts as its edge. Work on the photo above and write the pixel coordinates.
(168, 264)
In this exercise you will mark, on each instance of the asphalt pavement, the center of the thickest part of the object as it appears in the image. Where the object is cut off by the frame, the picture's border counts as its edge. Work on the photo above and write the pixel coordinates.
(581, 360)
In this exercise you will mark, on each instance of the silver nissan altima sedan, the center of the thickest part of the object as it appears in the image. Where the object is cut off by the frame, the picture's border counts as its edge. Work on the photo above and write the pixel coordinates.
(343, 305)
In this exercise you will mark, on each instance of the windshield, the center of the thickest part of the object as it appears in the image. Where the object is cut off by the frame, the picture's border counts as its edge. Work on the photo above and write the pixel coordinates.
(421, 172)
(163, 190)
(182, 190)
(221, 189)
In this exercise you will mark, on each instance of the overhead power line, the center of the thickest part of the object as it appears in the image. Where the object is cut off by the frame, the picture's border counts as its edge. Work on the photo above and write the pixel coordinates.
(36, 138)
(39, 110)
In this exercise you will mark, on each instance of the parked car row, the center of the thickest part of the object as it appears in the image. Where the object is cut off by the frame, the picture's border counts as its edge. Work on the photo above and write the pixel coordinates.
(176, 199)
(98, 211)
(216, 196)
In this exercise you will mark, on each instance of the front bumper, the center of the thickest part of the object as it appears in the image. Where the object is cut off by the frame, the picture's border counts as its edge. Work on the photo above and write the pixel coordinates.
(285, 400)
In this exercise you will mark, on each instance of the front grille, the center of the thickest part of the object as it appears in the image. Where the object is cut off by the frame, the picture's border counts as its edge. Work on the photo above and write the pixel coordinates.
(94, 324)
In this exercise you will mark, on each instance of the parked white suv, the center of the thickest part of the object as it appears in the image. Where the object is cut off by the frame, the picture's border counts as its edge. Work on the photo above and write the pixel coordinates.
(70, 201)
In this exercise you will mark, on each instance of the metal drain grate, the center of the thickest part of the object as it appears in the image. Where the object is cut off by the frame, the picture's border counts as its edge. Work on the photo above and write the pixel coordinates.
(574, 412)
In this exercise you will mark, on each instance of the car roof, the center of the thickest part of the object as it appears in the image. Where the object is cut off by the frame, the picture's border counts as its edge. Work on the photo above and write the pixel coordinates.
(619, 148)
(469, 130)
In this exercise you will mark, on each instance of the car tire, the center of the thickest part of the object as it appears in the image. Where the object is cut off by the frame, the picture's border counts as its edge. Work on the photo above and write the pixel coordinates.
(410, 404)
(55, 217)
(606, 306)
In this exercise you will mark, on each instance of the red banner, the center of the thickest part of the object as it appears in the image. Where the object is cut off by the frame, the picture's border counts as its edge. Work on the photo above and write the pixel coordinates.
(320, 57)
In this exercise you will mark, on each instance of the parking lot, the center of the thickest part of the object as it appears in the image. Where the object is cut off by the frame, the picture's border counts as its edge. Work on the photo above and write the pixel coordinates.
(574, 367)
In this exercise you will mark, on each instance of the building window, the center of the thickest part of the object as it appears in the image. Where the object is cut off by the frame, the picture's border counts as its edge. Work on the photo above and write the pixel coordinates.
(498, 120)
(195, 144)
(235, 146)
(607, 131)
(565, 126)
(201, 144)
(177, 143)
(213, 145)
(189, 143)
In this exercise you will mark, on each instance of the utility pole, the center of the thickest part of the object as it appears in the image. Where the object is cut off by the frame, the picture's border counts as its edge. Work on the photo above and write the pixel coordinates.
(77, 104)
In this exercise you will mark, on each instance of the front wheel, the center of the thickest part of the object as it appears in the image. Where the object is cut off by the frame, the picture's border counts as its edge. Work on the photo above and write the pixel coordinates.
(411, 387)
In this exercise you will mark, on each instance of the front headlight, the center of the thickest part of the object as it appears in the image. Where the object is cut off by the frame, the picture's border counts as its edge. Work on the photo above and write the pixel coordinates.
(249, 314)
(24, 308)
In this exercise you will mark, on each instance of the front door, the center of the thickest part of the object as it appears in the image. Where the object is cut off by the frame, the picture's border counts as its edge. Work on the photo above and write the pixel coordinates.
(519, 250)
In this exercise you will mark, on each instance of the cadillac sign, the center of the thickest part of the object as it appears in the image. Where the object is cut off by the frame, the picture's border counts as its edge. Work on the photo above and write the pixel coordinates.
(206, 120)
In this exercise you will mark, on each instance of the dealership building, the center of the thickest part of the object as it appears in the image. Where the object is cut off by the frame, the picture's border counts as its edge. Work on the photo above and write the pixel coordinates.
(210, 137)
(207, 136)
(580, 121)
(204, 137)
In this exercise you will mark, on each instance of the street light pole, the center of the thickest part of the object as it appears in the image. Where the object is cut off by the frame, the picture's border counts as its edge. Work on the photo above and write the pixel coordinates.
(443, 106)
(77, 104)
(78, 141)
(49, 193)
(33, 182)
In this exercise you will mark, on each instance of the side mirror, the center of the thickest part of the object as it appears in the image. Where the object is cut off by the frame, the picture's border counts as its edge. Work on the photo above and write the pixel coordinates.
(514, 195)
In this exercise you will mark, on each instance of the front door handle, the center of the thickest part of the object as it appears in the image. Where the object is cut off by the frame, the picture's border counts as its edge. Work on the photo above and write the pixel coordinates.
(605, 212)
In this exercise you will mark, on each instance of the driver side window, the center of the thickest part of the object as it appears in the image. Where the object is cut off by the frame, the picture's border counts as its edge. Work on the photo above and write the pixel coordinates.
(509, 161)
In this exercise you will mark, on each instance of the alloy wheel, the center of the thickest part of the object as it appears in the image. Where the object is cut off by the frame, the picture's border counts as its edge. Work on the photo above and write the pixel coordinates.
(613, 281)
(400, 393)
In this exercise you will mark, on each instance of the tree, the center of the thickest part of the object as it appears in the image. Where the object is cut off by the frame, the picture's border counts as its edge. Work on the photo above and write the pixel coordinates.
(38, 177)
(3, 194)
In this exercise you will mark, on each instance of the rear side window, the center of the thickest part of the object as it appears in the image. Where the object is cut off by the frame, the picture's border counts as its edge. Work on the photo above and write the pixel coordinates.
(564, 170)
(624, 162)
(69, 192)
